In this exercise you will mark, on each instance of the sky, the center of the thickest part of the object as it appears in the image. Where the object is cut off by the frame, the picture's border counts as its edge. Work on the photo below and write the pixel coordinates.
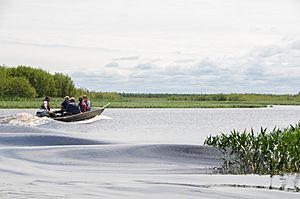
(158, 46)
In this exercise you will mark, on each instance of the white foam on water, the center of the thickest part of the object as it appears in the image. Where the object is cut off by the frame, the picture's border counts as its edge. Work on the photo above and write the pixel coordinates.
(104, 117)
(26, 119)
(94, 119)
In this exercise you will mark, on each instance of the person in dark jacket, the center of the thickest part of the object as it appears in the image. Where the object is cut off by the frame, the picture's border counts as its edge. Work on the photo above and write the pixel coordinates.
(63, 106)
(65, 103)
(72, 107)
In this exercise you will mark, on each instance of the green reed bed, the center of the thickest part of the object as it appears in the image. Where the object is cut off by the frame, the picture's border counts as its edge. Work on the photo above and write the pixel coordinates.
(265, 153)
(159, 103)
(129, 102)
(27, 103)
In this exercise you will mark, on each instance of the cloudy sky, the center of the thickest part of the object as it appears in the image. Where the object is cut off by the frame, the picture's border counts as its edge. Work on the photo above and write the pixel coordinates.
(158, 46)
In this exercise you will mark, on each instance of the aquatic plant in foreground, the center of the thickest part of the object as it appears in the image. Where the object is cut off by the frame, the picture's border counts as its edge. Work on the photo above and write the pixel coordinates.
(264, 153)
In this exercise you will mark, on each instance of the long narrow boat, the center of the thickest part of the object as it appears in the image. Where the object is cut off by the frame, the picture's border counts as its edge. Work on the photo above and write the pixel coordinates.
(79, 117)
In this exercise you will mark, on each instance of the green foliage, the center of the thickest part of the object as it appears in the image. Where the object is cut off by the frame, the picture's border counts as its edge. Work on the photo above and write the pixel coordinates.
(124, 102)
(42, 82)
(60, 85)
(273, 153)
(275, 99)
(64, 85)
(17, 87)
(111, 96)
(104, 95)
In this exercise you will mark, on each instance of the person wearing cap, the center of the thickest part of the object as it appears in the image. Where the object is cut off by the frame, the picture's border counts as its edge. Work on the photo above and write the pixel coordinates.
(72, 107)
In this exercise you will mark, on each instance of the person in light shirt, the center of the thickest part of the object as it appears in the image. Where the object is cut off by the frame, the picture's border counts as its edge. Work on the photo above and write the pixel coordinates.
(45, 108)
(46, 104)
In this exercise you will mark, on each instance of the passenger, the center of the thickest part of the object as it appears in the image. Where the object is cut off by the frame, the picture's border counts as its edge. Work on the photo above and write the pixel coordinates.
(87, 102)
(46, 104)
(72, 107)
(65, 103)
(82, 105)
(45, 108)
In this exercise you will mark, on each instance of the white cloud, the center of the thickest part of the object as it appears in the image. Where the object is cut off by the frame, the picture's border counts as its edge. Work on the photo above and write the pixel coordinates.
(127, 58)
(112, 65)
(158, 46)
(145, 66)
(295, 45)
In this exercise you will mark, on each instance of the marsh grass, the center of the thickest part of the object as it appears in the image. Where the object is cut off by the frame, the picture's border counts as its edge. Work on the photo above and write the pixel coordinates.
(131, 102)
(127, 100)
(265, 153)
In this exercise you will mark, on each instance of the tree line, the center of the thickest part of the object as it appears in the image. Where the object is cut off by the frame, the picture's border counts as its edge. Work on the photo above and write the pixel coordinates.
(215, 97)
(29, 82)
(235, 97)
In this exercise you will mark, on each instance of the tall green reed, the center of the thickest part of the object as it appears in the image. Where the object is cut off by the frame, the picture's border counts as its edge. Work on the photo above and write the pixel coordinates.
(273, 153)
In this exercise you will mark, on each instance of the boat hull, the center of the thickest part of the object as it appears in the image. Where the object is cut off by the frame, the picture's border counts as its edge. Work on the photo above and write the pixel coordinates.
(81, 116)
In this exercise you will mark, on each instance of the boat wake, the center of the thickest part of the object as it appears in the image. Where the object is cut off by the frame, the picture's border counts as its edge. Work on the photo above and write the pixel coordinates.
(58, 147)
(24, 119)
(94, 119)
(40, 161)
(69, 167)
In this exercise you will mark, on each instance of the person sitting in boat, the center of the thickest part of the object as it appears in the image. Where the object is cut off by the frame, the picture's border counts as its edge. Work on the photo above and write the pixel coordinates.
(82, 105)
(87, 102)
(63, 106)
(72, 107)
(65, 103)
(45, 108)
(46, 104)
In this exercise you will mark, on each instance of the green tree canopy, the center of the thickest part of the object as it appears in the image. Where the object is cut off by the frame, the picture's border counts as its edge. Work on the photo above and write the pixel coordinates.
(64, 85)
(18, 87)
(35, 81)
(42, 81)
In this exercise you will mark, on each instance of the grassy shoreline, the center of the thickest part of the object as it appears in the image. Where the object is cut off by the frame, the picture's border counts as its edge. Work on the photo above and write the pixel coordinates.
(134, 102)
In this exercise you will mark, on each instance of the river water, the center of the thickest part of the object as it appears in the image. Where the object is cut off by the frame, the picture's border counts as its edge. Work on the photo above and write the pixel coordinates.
(181, 126)
(130, 153)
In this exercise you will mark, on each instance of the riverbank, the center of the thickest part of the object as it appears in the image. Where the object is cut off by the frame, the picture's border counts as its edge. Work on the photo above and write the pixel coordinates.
(135, 102)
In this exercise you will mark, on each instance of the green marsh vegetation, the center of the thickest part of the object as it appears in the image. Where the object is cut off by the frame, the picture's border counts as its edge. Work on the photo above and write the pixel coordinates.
(25, 87)
(121, 100)
(265, 153)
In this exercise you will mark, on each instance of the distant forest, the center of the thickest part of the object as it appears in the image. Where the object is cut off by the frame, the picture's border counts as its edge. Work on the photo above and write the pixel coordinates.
(29, 82)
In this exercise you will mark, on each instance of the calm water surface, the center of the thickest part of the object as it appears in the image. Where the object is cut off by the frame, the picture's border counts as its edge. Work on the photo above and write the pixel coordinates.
(182, 126)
